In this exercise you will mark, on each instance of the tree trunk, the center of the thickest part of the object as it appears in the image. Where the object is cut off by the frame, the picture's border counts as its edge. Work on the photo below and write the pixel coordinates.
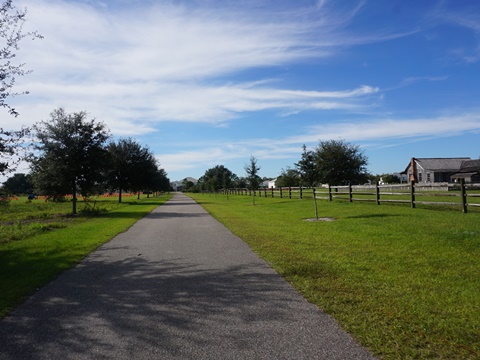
(74, 200)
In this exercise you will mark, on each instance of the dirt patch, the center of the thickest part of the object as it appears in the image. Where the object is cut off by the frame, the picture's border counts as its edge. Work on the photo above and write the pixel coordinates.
(321, 219)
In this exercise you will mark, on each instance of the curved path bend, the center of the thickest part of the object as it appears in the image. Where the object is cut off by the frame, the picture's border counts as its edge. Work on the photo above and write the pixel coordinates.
(176, 285)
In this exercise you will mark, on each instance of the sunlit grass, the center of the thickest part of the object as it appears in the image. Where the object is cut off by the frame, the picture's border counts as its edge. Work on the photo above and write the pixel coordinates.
(403, 281)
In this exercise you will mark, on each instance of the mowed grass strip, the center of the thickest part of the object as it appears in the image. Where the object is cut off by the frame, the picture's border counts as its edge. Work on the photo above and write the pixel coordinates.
(404, 282)
(29, 263)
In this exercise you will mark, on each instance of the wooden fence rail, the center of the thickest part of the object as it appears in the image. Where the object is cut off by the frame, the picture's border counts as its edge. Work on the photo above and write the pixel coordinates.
(463, 193)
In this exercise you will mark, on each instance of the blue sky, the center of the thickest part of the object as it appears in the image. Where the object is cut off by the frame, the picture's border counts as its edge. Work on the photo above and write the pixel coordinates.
(211, 82)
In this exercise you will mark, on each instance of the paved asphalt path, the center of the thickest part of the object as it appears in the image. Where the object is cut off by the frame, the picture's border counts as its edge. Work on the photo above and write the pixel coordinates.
(176, 285)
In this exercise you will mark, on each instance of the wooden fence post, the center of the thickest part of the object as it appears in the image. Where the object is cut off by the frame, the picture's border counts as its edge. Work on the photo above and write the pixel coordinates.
(350, 197)
(301, 192)
(281, 193)
(377, 190)
(272, 192)
(289, 192)
(315, 204)
(329, 192)
(464, 195)
(412, 193)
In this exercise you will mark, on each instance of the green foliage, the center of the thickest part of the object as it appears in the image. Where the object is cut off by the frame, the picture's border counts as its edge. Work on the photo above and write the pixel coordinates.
(217, 178)
(11, 148)
(72, 155)
(252, 170)
(19, 184)
(403, 282)
(133, 167)
(307, 168)
(340, 163)
(288, 178)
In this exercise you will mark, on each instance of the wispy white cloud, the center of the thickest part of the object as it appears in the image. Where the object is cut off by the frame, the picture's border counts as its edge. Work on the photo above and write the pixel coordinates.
(165, 62)
(380, 134)
(384, 130)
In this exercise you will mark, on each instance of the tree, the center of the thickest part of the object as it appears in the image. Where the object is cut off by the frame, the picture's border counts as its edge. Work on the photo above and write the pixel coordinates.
(161, 182)
(217, 178)
(252, 176)
(11, 23)
(19, 184)
(288, 178)
(340, 163)
(132, 167)
(72, 155)
(390, 179)
(11, 147)
(307, 168)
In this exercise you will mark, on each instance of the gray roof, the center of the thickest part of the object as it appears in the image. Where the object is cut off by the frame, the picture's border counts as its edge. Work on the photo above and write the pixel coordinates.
(470, 165)
(441, 164)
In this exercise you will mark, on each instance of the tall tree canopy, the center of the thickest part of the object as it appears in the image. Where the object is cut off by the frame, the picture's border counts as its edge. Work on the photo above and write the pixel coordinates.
(19, 184)
(72, 155)
(132, 167)
(340, 163)
(217, 178)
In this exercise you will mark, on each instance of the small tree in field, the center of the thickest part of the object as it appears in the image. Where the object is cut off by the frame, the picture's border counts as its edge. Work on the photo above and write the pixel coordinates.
(307, 168)
(252, 176)
(72, 155)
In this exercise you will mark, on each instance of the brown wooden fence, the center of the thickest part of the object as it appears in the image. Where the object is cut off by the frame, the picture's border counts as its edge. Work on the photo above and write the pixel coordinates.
(460, 194)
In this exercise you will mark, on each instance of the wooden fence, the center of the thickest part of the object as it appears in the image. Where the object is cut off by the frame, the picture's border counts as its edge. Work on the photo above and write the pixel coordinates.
(460, 194)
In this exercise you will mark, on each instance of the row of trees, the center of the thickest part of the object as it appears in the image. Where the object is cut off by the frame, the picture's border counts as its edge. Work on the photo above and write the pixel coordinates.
(219, 177)
(335, 162)
(74, 155)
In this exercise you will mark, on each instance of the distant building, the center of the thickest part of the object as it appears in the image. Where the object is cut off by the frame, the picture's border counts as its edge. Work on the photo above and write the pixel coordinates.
(436, 170)
(179, 185)
(268, 184)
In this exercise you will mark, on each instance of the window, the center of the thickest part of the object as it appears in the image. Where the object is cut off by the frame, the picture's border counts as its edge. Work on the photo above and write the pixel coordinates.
(428, 177)
(420, 177)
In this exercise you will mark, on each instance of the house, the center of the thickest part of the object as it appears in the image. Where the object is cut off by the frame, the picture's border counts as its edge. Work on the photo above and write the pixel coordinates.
(268, 184)
(179, 185)
(437, 170)
(470, 171)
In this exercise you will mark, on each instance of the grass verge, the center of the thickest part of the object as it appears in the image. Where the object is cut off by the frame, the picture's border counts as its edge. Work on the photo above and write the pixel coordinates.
(28, 263)
(404, 282)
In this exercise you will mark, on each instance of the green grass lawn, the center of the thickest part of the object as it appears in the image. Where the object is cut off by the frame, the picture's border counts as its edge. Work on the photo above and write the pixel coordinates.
(404, 282)
(38, 240)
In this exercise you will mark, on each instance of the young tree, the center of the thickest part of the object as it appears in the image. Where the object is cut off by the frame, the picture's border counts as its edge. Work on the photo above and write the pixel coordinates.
(340, 163)
(11, 23)
(72, 155)
(307, 168)
(252, 176)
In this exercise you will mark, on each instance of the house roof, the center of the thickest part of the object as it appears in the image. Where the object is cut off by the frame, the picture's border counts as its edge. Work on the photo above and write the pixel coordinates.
(470, 165)
(440, 164)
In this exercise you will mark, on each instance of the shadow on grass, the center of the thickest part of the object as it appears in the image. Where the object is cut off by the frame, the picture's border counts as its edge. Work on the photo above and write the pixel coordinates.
(371, 216)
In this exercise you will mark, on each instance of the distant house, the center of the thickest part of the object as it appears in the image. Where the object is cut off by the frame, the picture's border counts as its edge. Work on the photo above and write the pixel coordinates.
(179, 185)
(437, 170)
(470, 171)
(268, 183)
